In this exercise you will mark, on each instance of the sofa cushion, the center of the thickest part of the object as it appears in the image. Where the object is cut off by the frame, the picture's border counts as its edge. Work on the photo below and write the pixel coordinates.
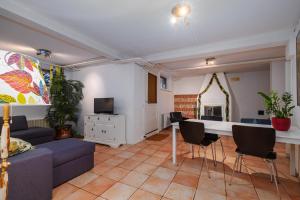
(18, 123)
(34, 132)
(66, 150)
(18, 146)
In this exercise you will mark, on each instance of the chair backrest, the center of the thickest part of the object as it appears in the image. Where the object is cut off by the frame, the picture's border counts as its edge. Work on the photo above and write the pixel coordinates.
(192, 132)
(175, 117)
(255, 141)
(212, 118)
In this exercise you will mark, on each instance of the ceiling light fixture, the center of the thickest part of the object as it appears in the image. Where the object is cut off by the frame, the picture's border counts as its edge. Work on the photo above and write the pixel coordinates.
(181, 11)
(43, 52)
(210, 61)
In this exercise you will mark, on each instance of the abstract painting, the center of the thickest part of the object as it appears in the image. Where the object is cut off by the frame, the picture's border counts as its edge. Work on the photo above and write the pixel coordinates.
(21, 80)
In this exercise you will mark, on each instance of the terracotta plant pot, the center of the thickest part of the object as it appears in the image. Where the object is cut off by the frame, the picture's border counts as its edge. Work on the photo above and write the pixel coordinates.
(281, 124)
(63, 132)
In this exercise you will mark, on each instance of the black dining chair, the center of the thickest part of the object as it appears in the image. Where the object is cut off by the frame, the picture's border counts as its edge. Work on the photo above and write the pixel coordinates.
(214, 138)
(193, 133)
(176, 117)
(258, 142)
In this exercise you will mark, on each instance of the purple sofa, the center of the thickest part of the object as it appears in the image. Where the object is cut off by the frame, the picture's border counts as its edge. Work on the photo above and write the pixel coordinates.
(71, 157)
(33, 174)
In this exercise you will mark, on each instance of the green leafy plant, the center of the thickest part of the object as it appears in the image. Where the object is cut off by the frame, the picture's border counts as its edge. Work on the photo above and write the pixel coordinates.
(65, 96)
(280, 107)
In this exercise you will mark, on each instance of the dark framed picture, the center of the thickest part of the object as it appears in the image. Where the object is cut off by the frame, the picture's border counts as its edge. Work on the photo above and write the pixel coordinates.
(298, 67)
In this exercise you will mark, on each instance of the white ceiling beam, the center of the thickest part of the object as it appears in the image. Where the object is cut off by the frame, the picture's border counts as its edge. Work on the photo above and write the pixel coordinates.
(267, 40)
(38, 22)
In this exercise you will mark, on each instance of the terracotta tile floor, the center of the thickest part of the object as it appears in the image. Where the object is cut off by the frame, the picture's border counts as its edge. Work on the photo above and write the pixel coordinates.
(145, 172)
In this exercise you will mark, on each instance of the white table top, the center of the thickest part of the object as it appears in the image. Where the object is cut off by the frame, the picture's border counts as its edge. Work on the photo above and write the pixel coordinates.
(225, 128)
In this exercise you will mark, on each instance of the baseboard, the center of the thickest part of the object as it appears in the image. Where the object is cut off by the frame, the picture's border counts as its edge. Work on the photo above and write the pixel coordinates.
(151, 133)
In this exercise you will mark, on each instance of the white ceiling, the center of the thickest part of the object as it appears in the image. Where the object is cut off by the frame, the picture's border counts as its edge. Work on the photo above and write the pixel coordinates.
(255, 60)
(137, 28)
(260, 54)
(141, 28)
(19, 38)
(225, 69)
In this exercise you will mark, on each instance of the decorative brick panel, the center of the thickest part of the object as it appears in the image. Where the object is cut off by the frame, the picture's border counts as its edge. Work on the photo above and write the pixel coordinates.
(186, 104)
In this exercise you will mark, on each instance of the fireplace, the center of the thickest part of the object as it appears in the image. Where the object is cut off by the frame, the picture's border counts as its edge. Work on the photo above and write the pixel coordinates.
(214, 98)
(213, 111)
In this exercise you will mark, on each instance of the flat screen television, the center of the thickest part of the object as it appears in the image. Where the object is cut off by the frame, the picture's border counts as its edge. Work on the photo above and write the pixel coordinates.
(104, 105)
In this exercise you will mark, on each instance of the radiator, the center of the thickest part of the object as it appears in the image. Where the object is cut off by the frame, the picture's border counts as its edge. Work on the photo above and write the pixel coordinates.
(38, 122)
(165, 120)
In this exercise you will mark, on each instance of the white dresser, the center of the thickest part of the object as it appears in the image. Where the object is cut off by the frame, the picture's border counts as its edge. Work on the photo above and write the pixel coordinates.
(105, 129)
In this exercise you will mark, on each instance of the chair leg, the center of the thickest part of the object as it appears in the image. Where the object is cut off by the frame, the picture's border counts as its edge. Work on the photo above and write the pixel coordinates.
(213, 152)
(241, 163)
(201, 163)
(193, 152)
(275, 167)
(223, 152)
(205, 160)
(270, 168)
(274, 175)
(234, 167)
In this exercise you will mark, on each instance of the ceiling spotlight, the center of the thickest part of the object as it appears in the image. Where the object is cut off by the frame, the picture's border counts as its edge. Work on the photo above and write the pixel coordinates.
(210, 61)
(173, 20)
(43, 52)
(181, 11)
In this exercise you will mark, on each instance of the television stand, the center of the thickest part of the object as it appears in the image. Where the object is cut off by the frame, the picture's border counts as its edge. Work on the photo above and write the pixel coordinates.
(106, 129)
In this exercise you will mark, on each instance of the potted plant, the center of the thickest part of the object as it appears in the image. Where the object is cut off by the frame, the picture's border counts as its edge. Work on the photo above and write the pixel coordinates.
(65, 96)
(279, 108)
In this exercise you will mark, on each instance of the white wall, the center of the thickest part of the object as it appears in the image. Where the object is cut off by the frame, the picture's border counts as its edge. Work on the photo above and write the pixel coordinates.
(277, 76)
(165, 101)
(187, 85)
(245, 101)
(120, 81)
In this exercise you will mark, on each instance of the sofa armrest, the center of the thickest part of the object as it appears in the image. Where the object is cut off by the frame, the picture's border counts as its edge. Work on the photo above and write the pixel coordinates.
(30, 175)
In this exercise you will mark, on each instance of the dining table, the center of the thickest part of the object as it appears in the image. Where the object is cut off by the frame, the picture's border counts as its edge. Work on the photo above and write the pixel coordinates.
(224, 128)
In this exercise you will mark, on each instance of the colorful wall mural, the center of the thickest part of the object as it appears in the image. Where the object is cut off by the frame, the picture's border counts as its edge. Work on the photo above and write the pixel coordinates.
(21, 80)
